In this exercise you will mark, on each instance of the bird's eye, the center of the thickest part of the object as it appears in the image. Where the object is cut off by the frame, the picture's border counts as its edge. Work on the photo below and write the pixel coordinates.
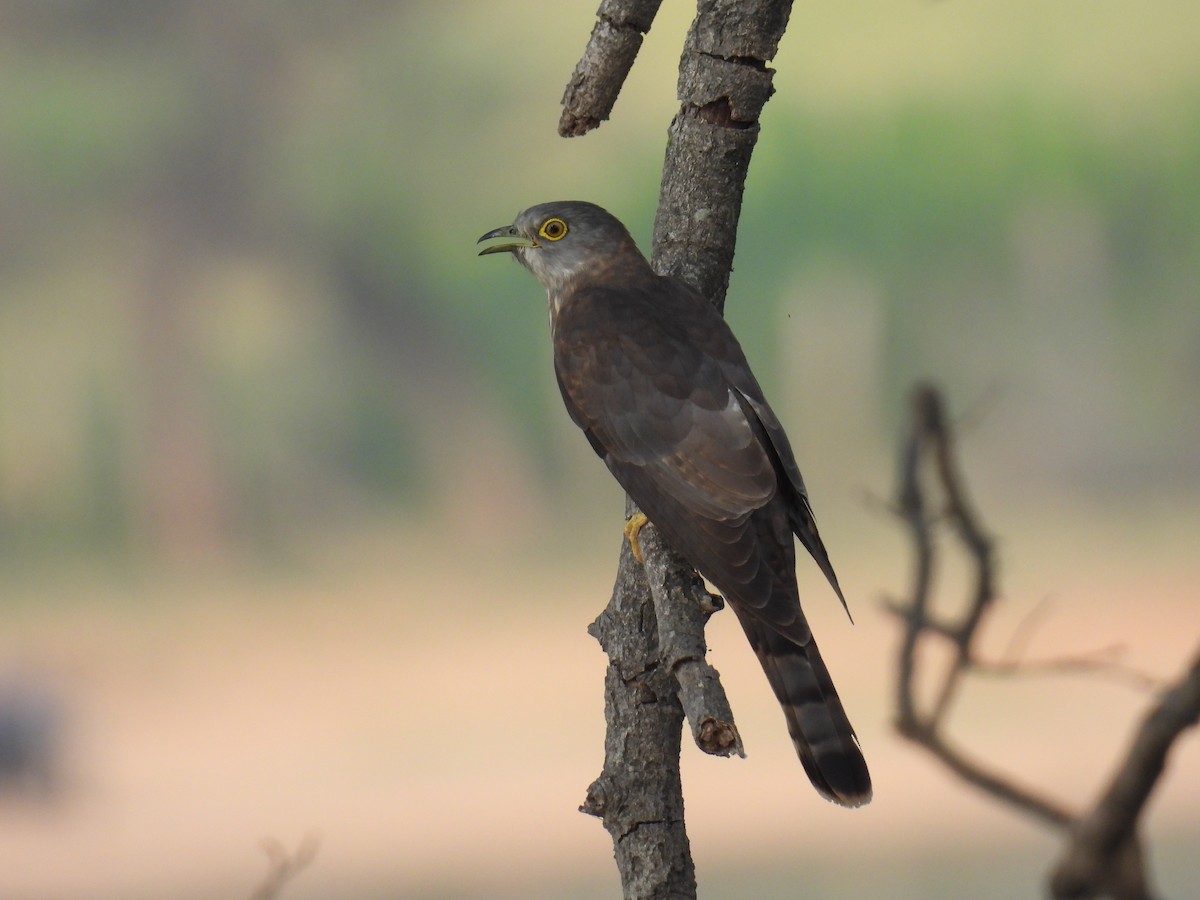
(553, 229)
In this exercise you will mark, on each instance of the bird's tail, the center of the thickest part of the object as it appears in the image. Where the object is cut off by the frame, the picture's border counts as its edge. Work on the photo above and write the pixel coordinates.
(820, 730)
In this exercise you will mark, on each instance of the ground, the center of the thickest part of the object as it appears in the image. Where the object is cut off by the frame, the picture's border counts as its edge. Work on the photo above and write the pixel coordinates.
(435, 726)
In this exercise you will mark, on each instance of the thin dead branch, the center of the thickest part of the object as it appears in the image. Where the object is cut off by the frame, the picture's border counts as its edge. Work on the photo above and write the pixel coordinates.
(1103, 855)
(283, 866)
(1101, 661)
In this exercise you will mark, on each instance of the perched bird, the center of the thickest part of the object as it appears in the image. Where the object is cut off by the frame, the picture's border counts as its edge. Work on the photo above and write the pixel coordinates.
(659, 384)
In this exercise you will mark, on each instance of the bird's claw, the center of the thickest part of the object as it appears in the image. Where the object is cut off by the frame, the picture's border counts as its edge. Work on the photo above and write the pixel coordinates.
(633, 525)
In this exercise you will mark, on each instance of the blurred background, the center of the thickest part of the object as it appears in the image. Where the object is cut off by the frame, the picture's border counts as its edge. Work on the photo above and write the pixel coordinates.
(297, 542)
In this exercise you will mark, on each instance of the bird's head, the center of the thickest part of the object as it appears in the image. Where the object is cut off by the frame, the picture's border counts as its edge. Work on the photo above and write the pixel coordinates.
(560, 241)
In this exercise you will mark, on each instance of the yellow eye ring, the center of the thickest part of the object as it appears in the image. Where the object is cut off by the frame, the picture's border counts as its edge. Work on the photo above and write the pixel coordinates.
(553, 230)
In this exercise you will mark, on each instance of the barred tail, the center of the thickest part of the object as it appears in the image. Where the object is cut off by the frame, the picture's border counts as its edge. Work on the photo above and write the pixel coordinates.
(820, 730)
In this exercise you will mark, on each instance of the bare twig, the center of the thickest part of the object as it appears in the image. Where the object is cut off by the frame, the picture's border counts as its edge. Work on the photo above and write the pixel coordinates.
(980, 408)
(987, 780)
(282, 866)
(1022, 635)
(1012, 663)
(1104, 855)
(930, 438)
(1101, 661)
(930, 441)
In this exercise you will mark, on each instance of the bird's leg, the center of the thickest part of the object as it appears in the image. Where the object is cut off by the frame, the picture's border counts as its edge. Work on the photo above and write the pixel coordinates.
(633, 525)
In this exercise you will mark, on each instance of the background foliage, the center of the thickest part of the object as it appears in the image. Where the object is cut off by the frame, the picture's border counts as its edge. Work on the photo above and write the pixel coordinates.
(239, 293)
(294, 532)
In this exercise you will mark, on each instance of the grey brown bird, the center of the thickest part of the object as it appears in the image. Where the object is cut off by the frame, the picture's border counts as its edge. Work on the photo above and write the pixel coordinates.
(659, 384)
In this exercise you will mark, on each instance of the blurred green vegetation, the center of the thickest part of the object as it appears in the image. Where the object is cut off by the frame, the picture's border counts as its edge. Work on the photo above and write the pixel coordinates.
(239, 296)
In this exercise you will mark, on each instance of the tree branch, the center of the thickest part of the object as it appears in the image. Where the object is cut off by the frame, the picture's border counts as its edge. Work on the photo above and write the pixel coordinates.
(1096, 857)
(283, 866)
(1103, 856)
(724, 82)
(639, 795)
(653, 628)
(606, 61)
(931, 443)
(674, 585)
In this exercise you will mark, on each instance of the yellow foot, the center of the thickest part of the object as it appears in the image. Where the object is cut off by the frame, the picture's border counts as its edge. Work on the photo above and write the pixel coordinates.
(633, 525)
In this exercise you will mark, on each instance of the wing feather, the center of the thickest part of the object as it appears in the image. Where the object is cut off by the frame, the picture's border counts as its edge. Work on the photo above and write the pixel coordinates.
(652, 399)
(642, 373)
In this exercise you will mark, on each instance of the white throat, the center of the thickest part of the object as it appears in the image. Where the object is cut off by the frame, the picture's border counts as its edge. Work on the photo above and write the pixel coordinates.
(553, 277)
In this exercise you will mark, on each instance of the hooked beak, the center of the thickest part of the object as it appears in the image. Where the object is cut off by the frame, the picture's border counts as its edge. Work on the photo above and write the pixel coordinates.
(511, 246)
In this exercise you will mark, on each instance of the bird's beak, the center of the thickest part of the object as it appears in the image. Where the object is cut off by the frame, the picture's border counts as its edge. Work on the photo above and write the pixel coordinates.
(508, 231)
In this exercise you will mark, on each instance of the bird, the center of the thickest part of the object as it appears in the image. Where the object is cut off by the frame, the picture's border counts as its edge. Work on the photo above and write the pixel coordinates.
(661, 388)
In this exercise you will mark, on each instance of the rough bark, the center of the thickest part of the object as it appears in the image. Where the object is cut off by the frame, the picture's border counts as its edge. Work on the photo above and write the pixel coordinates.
(639, 795)
(653, 628)
(724, 83)
(606, 61)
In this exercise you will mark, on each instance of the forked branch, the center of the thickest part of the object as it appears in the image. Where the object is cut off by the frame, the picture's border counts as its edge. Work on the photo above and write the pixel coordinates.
(1103, 855)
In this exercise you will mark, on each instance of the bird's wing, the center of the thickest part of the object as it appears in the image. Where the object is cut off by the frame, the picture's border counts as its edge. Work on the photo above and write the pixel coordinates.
(721, 345)
(652, 398)
(640, 379)
(803, 522)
